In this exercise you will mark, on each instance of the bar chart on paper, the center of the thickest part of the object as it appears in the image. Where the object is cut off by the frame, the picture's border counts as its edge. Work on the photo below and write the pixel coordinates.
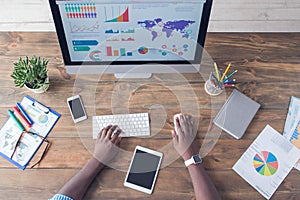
(295, 136)
(295, 139)
(292, 124)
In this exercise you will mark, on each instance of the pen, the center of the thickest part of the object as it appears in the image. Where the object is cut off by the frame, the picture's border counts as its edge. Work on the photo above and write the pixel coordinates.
(217, 71)
(24, 113)
(21, 117)
(218, 82)
(225, 72)
(230, 75)
(212, 80)
(16, 120)
(229, 85)
(230, 81)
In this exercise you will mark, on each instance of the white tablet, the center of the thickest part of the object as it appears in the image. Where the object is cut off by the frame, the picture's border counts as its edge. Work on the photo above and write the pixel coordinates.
(143, 169)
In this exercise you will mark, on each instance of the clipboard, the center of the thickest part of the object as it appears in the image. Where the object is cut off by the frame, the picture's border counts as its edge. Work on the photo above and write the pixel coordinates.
(24, 150)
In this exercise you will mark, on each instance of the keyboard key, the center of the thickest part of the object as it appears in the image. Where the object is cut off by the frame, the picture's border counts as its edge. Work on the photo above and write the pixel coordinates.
(132, 125)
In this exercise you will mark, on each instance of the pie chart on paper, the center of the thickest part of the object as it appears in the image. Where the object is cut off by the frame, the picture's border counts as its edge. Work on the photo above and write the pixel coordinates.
(265, 163)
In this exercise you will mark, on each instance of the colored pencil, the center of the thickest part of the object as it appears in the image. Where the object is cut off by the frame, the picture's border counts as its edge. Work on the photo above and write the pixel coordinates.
(212, 80)
(230, 75)
(217, 71)
(224, 74)
(218, 82)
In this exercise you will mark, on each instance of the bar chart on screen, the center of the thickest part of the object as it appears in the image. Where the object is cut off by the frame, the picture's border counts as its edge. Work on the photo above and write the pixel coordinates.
(116, 14)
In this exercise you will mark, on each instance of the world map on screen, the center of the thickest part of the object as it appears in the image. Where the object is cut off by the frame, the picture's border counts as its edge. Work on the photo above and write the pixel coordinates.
(167, 27)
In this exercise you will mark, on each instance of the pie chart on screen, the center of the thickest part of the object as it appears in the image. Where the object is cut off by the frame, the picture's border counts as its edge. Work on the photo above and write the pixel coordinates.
(143, 50)
(265, 163)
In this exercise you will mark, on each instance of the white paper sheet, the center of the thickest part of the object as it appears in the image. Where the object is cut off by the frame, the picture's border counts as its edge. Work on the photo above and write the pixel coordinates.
(291, 124)
(267, 161)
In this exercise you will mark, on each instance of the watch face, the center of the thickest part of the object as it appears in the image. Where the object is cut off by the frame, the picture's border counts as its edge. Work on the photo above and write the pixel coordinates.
(197, 159)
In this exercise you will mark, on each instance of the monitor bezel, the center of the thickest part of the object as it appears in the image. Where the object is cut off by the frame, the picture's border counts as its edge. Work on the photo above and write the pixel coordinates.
(67, 58)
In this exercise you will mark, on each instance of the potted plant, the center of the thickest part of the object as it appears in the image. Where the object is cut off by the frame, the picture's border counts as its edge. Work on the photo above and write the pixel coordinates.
(31, 72)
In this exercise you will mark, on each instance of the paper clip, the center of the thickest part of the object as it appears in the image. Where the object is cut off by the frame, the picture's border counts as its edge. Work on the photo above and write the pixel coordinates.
(41, 107)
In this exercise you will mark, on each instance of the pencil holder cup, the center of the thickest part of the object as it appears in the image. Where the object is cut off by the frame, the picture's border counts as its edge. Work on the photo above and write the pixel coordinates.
(213, 86)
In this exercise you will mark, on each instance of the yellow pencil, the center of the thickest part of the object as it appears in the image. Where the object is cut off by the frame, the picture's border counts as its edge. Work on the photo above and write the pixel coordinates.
(224, 74)
(217, 71)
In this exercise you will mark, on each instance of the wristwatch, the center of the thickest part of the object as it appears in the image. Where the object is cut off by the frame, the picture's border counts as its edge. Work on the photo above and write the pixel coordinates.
(195, 159)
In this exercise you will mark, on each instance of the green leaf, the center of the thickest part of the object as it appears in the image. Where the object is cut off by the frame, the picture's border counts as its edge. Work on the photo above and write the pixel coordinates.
(31, 71)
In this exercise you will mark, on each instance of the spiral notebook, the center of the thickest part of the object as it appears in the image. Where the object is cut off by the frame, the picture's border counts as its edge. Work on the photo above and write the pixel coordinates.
(236, 114)
(19, 149)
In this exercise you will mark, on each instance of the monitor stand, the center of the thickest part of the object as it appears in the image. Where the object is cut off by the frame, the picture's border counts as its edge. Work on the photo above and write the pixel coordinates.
(133, 75)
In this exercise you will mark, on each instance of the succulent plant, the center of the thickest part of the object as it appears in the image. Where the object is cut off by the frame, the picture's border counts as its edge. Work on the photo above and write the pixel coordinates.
(31, 72)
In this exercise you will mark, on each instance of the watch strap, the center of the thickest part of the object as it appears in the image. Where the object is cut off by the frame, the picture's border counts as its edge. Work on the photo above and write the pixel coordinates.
(189, 162)
(195, 159)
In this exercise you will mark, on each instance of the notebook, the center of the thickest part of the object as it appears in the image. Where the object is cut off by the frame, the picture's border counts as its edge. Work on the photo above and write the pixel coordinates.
(20, 154)
(236, 114)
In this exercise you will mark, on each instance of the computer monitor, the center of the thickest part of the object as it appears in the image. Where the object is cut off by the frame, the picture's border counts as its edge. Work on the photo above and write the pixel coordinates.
(137, 37)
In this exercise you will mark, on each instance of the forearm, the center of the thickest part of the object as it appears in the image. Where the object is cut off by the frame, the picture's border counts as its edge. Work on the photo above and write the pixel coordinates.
(77, 186)
(203, 186)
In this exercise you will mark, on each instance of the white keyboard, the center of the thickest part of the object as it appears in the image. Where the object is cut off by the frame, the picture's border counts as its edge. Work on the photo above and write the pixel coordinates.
(132, 125)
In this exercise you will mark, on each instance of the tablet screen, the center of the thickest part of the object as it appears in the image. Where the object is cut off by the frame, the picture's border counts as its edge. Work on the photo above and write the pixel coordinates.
(143, 169)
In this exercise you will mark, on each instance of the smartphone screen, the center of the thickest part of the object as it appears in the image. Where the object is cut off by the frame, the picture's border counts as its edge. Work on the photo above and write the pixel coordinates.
(76, 108)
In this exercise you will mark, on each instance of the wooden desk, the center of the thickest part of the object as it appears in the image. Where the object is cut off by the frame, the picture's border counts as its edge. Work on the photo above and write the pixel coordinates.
(269, 68)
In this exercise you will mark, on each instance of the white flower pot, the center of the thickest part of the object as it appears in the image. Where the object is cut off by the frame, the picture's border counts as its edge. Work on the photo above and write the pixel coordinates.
(42, 89)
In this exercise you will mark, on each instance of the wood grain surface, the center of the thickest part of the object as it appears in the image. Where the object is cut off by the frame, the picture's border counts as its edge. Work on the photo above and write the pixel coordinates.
(269, 69)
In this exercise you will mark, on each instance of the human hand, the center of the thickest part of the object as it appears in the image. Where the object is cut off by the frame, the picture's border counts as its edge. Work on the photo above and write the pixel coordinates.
(107, 145)
(184, 141)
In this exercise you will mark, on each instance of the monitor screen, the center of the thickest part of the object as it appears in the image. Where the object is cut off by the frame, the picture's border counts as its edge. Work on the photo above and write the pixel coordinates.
(131, 32)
